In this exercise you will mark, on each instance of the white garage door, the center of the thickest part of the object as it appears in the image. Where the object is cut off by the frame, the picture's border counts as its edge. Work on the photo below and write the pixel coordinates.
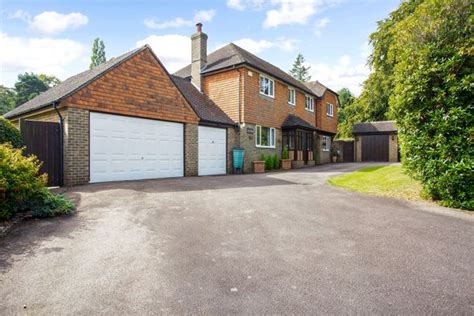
(128, 148)
(212, 151)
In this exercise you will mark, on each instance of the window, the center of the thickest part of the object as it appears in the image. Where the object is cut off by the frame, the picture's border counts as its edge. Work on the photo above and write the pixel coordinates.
(291, 96)
(267, 86)
(309, 105)
(265, 137)
(329, 109)
(326, 143)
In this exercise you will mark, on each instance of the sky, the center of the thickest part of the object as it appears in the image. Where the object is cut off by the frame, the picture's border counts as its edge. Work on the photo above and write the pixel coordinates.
(55, 37)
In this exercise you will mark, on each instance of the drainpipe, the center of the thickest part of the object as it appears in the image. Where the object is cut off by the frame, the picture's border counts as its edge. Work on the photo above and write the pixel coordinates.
(61, 144)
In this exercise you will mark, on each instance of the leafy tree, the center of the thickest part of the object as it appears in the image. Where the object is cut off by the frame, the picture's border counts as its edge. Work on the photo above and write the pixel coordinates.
(27, 87)
(50, 81)
(7, 99)
(98, 53)
(432, 98)
(10, 134)
(299, 70)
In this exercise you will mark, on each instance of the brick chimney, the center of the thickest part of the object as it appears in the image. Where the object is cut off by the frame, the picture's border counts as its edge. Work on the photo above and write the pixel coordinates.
(198, 55)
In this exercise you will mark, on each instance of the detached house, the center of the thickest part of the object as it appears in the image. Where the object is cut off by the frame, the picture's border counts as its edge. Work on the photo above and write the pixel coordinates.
(130, 119)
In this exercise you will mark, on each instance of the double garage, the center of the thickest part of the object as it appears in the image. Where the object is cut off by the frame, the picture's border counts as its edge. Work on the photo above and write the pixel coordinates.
(130, 148)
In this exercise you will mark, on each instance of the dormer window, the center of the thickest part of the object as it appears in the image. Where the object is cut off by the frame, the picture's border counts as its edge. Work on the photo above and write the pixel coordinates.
(329, 110)
(267, 86)
(309, 104)
(291, 96)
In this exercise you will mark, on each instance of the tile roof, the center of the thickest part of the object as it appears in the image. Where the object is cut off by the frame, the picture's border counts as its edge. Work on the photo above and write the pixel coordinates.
(293, 121)
(317, 87)
(374, 127)
(71, 85)
(204, 107)
(233, 55)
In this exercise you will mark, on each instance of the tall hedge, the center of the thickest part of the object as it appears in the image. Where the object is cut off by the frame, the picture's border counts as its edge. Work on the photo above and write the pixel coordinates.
(9, 134)
(433, 99)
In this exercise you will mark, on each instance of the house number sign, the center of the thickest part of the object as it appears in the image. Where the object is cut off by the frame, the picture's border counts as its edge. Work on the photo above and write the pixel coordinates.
(250, 130)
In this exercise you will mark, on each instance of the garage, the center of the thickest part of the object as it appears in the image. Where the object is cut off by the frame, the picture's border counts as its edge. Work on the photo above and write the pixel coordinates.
(376, 141)
(129, 148)
(211, 151)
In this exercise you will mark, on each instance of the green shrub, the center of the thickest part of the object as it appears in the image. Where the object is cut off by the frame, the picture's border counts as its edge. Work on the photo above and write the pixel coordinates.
(285, 154)
(276, 162)
(25, 189)
(9, 134)
(268, 162)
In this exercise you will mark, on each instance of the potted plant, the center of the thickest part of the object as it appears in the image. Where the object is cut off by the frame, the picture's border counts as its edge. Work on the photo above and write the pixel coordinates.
(334, 153)
(259, 165)
(285, 161)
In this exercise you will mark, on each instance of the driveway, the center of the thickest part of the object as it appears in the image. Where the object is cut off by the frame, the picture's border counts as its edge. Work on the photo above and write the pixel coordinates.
(269, 243)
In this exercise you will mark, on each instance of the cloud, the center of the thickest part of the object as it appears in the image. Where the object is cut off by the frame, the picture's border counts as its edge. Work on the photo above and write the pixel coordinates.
(204, 15)
(345, 73)
(20, 15)
(241, 5)
(320, 25)
(295, 12)
(51, 22)
(173, 50)
(175, 23)
(39, 55)
(258, 46)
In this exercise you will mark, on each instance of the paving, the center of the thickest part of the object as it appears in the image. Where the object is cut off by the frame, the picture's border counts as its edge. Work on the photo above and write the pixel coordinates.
(284, 242)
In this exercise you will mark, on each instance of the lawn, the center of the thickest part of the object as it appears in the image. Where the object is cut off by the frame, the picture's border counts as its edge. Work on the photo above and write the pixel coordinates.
(382, 180)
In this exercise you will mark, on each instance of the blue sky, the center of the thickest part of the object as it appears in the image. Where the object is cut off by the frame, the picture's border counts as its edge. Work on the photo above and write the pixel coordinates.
(54, 37)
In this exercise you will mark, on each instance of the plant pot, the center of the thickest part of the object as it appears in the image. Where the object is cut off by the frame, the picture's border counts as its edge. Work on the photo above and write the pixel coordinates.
(259, 166)
(334, 158)
(286, 164)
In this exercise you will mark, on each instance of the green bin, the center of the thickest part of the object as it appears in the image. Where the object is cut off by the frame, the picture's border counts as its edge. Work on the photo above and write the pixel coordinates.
(238, 159)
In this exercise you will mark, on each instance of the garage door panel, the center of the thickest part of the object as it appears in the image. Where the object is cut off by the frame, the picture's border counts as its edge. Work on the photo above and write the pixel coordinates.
(375, 148)
(127, 148)
(212, 151)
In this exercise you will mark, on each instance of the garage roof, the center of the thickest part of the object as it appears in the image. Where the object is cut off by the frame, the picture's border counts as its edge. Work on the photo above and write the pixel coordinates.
(374, 127)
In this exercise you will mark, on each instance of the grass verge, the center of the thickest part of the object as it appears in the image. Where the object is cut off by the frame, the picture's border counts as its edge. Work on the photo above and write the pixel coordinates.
(388, 181)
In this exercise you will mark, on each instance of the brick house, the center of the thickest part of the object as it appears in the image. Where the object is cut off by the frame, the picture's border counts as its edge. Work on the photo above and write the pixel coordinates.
(130, 119)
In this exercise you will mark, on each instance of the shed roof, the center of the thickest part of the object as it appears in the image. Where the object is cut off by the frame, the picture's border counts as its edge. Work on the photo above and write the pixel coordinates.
(374, 127)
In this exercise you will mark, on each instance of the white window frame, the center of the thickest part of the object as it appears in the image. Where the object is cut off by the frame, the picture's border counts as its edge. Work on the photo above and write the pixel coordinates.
(331, 108)
(258, 136)
(291, 92)
(326, 143)
(271, 93)
(309, 106)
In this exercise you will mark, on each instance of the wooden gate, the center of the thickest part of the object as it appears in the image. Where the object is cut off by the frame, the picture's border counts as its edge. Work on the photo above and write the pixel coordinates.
(348, 151)
(43, 139)
(375, 148)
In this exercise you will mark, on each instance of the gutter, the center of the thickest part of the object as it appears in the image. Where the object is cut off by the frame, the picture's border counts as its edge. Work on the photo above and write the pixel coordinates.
(61, 144)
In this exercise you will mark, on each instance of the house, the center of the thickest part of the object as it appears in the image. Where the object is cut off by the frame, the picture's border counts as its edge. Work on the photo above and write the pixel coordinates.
(376, 141)
(129, 119)
(327, 105)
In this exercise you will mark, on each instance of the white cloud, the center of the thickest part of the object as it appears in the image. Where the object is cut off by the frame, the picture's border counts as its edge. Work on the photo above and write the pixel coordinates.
(204, 15)
(241, 5)
(175, 23)
(320, 25)
(295, 12)
(39, 55)
(20, 15)
(173, 50)
(345, 73)
(51, 22)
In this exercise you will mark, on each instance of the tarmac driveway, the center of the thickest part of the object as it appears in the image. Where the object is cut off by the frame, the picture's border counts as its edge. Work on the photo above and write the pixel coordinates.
(271, 243)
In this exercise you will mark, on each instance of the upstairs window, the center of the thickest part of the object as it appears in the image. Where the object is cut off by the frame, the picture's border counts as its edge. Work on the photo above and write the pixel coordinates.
(326, 143)
(267, 86)
(309, 104)
(265, 137)
(329, 109)
(291, 96)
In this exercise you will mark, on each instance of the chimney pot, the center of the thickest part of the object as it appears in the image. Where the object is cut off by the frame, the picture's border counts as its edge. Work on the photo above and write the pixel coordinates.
(199, 27)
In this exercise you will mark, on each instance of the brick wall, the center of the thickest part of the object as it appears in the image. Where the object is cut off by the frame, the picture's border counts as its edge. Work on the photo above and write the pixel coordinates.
(223, 89)
(358, 148)
(191, 149)
(232, 142)
(76, 147)
(140, 87)
(324, 156)
(393, 148)
(323, 121)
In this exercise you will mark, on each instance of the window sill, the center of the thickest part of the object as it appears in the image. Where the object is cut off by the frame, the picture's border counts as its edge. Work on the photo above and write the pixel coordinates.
(326, 150)
(312, 111)
(291, 104)
(267, 147)
(267, 96)
(331, 116)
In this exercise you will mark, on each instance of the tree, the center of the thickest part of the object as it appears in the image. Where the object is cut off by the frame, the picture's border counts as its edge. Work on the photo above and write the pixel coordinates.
(346, 113)
(98, 53)
(50, 81)
(27, 87)
(299, 70)
(432, 98)
(7, 99)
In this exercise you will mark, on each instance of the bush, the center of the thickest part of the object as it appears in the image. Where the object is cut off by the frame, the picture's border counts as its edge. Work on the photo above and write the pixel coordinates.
(9, 134)
(268, 162)
(25, 189)
(285, 154)
(276, 162)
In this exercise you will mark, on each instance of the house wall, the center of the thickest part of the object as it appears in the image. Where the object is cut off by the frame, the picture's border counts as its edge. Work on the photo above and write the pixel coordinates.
(191, 135)
(223, 89)
(323, 121)
(139, 87)
(323, 156)
(393, 148)
(232, 142)
(76, 147)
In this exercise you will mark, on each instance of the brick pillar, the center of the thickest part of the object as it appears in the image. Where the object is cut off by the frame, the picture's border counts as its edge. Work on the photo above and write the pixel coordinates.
(393, 148)
(76, 147)
(191, 149)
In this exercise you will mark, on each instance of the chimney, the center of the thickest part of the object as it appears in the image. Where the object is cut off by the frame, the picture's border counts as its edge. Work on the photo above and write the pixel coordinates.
(198, 55)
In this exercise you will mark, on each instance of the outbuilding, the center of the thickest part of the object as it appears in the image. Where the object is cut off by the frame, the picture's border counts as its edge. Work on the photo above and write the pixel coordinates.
(376, 141)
